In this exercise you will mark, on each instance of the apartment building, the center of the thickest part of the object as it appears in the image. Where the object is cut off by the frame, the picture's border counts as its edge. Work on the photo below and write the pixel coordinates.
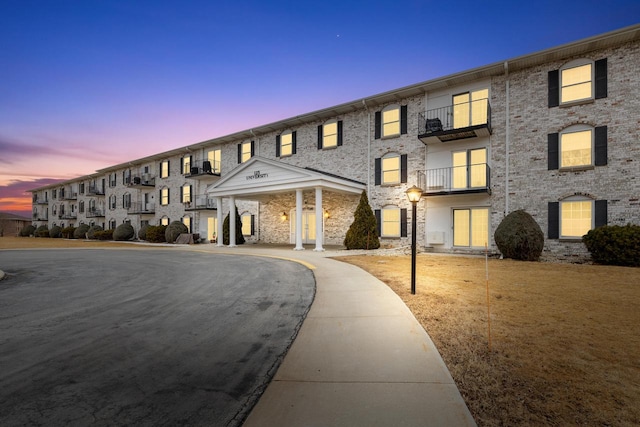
(555, 133)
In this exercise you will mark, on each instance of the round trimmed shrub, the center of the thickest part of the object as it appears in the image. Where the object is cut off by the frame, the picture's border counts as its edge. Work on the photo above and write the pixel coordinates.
(142, 234)
(156, 233)
(55, 232)
(81, 231)
(41, 231)
(614, 245)
(519, 237)
(91, 234)
(103, 234)
(175, 229)
(67, 232)
(27, 230)
(124, 232)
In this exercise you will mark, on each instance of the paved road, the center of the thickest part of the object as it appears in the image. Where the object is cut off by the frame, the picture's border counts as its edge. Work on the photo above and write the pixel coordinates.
(142, 337)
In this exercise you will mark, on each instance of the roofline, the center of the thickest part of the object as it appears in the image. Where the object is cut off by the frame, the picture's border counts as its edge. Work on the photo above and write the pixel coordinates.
(583, 46)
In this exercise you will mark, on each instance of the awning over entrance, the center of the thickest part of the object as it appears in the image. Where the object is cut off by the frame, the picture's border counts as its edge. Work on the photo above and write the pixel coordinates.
(260, 176)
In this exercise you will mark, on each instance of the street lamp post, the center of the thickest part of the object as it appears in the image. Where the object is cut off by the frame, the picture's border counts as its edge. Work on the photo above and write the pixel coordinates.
(413, 194)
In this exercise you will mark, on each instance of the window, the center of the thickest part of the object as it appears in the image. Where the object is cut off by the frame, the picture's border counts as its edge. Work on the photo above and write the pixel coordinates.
(164, 169)
(576, 218)
(577, 146)
(54, 193)
(391, 169)
(247, 224)
(112, 224)
(82, 188)
(126, 201)
(470, 108)
(186, 220)
(471, 227)
(392, 222)
(186, 194)
(391, 121)
(286, 144)
(164, 220)
(186, 165)
(126, 176)
(112, 201)
(469, 168)
(213, 157)
(81, 206)
(330, 134)
(112, 179)
(245, 151)
(164, 196)
(579, 80)
(212, 227)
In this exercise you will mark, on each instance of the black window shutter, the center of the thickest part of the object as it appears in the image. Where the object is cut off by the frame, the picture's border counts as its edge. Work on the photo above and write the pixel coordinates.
(553, 151)
(601, 213)
(403, 222)
(239, 153)
(168, 168)
(378, 124)
(403, 120)
(277, 145)
(403, 168)
(554, 220)
(554, 88)
(294, 140)
(253, 145)
(320, 137)
(378, 171)
(253, 224)
(191, 193)
(601, 78)
(339, 132)
(378, 221)
(168, 196)
(601, 146)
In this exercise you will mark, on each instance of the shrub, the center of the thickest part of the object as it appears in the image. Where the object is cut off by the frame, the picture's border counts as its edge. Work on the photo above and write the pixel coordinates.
(27, 230)
(175, 229)
(142, 234)
(225, 230)
(81, 231)
(103, 234)
(42, 231)
(519, 237)
(363, 232)
(55, 232)
(67, 232)
(91, 234)
(124, 232)
(156, 233)
(614, 245)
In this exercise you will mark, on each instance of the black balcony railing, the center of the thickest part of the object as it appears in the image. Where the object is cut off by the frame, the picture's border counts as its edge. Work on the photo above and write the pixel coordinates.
(142, 180)
(202, 169)
(68, 215)
(94, 213)
(457, 180)
(69, 195)
(453, 122)
(201, 203)
(94, 190)
(141, 208)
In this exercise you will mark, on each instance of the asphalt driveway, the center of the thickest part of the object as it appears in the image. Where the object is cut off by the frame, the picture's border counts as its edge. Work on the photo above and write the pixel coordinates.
(142, 337)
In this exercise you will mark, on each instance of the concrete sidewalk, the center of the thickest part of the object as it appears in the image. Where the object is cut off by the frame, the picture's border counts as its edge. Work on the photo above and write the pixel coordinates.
(360, 359)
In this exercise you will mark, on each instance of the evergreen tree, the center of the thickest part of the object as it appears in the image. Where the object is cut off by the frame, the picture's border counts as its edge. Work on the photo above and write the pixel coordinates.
(363, 232)
(225, 230)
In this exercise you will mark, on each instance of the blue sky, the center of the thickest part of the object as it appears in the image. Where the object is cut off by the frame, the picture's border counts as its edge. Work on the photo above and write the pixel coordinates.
(87, 84)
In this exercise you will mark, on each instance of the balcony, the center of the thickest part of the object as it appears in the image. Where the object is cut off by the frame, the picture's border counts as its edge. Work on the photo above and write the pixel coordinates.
(95, 213)
(472, 179)
(69, 215)
(69, 195)
(455, 122)
(94, 190)
(40, 202)
(201, 203)
(142, 209)
(205, 170)
(144, 180)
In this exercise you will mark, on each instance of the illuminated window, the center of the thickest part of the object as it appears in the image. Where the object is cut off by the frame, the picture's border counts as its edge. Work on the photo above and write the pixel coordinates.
(576, 83)
(390, 222)
(214, 158)
(247, 226)
(471, 227)
(576, 148)
(164, 220)
(576, 218)
(286, 144)
(186, 220)
(164, 196)
(164, 169)
(245, 151)
(330, 134)
(391, 169)
(391, 121)
(470, 108)
(212, 226)
(186, 165)
(469, 168)
(186, 194)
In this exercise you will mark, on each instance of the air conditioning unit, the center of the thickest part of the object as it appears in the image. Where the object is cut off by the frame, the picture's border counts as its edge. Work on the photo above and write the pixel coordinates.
(435, 237)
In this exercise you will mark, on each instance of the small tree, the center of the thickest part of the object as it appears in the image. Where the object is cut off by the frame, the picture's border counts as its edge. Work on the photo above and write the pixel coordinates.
(363, 232)
(225, 230)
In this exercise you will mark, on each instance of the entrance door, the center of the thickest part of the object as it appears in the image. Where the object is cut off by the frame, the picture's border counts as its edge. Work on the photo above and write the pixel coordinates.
(308, 226)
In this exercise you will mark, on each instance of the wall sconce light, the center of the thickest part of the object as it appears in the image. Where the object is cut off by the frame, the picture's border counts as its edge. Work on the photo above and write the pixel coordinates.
(326, 214)
(283, 217)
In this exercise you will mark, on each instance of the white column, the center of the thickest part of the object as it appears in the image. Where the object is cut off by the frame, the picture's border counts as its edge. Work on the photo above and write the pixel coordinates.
(319, 217)
(299, 202)
(232, 222)
(220, 220)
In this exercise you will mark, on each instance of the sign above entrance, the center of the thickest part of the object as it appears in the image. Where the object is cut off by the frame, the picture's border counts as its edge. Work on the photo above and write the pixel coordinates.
(257, 175)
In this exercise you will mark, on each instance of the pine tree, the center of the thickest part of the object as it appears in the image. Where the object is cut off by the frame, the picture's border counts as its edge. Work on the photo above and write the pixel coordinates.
(363, 232)
(225, 230)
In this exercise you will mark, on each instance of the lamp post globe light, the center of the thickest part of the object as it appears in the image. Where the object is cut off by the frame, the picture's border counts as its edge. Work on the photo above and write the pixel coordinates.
(413, 194)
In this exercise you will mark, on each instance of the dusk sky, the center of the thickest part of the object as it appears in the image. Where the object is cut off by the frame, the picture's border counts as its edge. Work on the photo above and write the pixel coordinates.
(85, 84)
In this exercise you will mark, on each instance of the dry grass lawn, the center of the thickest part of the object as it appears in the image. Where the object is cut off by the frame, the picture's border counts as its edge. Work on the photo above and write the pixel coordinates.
(565, 338)
(45, 242)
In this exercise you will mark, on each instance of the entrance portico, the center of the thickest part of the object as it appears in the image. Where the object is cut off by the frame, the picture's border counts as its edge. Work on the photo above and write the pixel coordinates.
(261, 179)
